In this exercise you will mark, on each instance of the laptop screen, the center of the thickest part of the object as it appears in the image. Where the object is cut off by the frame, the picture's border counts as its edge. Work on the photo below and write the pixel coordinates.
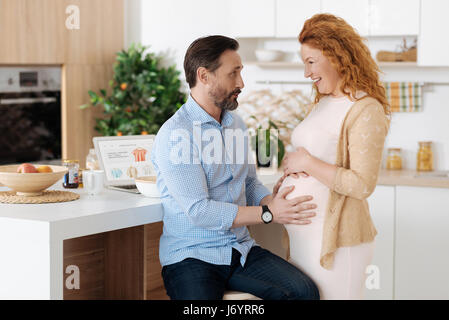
(124, 158)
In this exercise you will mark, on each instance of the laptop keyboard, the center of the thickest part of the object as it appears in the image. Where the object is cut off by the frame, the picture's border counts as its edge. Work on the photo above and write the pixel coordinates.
(129, 186)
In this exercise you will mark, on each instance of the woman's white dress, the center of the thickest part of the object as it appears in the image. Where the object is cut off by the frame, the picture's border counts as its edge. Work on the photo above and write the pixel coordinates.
(319, 134)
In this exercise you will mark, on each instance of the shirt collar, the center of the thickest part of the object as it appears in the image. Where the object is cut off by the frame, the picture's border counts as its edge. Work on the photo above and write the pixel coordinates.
(197, 113)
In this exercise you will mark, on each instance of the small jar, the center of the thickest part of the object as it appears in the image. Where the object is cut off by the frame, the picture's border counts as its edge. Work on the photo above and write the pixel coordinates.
(71, 180)
(424, 158)
(80, 178)
(394, 159)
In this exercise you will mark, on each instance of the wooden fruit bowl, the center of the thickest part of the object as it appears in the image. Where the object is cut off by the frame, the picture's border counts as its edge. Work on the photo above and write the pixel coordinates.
(30, 184)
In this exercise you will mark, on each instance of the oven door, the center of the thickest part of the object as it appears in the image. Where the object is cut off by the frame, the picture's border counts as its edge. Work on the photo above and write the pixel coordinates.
(30, 126)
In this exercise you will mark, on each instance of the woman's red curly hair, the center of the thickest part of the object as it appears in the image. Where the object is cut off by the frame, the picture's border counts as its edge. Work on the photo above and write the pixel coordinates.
(347, 52)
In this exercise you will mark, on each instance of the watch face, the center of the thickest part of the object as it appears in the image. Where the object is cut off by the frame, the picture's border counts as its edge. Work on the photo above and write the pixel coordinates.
(267, 216)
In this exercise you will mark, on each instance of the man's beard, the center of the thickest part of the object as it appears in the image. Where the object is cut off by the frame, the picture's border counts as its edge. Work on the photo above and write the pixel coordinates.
(223, 100)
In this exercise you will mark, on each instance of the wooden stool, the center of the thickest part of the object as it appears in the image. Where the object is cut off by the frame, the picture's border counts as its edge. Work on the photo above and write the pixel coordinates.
(237, 295)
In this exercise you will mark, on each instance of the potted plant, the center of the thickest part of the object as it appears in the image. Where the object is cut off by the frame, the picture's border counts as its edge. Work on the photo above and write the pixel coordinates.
(271, 119)
(144, 94)
(267, 145)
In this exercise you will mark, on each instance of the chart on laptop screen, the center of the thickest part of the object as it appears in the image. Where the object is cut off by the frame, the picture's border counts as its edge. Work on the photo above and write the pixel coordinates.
(126, 159)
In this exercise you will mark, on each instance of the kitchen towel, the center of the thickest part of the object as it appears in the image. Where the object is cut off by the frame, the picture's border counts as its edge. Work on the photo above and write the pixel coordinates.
(404, 96)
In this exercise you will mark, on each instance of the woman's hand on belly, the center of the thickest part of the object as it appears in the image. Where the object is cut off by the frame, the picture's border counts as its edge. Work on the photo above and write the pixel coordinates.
(302, 161)
(296, 161)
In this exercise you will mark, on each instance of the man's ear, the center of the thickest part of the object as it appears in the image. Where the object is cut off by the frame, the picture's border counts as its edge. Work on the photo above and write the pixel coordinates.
(202, 75)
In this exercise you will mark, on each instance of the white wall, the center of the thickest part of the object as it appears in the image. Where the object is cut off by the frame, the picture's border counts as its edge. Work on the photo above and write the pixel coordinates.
(133, 23)
(169, 27)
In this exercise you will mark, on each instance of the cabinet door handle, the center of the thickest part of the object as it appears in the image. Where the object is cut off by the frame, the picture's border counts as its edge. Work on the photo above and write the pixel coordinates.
(28, 100)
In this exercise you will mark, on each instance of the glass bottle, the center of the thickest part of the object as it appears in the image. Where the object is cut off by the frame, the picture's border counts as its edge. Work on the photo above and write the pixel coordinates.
(92, 160)
(424, 161)
(394, 159)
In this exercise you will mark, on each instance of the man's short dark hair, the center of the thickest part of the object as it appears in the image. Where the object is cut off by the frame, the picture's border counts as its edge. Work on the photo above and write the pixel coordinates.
(205, 52)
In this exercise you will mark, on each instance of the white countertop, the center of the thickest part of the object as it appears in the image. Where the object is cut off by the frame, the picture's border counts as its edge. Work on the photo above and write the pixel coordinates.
(110, 210)
(86, 205)
(407, 177)
(107, 211)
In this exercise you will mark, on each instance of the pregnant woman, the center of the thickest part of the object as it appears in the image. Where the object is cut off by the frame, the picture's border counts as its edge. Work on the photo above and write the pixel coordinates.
(337, 159)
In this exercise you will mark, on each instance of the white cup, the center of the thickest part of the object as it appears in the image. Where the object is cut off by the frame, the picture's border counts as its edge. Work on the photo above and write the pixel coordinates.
(93, 181)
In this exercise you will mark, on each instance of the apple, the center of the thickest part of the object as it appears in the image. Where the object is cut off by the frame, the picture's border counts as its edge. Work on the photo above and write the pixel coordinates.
(43, 169)
(26, 168)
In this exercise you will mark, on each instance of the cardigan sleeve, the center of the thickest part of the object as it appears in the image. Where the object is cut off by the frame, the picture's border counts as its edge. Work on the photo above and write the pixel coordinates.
(366, 139)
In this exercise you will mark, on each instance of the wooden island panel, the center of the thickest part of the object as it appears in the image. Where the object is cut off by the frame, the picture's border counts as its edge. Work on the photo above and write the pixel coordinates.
(120, 264)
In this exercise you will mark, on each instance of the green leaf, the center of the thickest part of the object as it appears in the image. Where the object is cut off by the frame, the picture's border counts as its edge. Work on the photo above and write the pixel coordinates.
(92, 94)
(272, 124)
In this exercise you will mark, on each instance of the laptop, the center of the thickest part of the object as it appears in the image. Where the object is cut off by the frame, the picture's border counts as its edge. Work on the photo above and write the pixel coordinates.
(124, 158)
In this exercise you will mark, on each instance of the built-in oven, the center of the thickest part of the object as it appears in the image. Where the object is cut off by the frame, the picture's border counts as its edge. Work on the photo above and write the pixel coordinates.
(30, 114)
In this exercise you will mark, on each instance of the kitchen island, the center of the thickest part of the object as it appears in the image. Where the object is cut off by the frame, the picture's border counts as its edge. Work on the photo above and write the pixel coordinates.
(32, 236)
(112, 238)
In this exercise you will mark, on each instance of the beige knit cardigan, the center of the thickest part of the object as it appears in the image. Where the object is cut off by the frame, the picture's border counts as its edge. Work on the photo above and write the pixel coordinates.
(359, 156)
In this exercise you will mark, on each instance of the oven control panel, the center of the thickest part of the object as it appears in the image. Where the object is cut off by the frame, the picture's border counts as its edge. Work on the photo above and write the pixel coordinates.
(23, 79)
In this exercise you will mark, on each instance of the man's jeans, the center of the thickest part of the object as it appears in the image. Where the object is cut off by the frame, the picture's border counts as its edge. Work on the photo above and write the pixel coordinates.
(265, 275)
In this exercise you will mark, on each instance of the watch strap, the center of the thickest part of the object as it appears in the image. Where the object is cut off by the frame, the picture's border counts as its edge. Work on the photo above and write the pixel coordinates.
(265, 208)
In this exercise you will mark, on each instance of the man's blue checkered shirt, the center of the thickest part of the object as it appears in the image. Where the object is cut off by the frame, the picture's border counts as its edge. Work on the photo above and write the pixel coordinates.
(202, 180)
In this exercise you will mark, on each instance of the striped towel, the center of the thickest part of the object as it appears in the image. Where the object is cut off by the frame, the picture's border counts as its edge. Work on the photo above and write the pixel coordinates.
(404, 96)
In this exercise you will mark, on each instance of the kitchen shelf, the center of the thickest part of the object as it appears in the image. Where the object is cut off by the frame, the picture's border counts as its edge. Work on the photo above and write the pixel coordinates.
(287, 64)
(397, 64)
(276, 64)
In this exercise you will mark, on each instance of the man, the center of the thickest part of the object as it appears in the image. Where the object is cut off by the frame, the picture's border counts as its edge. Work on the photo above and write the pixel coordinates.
(209, 196)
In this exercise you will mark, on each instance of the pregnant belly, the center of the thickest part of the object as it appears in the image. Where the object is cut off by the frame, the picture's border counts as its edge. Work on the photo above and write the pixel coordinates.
(309, 186)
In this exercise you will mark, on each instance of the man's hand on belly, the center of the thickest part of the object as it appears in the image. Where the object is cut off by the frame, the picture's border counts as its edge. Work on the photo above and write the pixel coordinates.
(291, 211)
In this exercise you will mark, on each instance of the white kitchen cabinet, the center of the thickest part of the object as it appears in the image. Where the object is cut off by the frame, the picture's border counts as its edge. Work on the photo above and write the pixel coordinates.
(433, 41)
(422, 243)
(377, 17)
(381, 271)
(354, 12)
(291, 15)
(394, 17)
(252, 18)
(170, 26)
(285, 18)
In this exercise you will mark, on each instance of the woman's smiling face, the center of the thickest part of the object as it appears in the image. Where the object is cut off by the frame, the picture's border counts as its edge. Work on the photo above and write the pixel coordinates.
(320, 70)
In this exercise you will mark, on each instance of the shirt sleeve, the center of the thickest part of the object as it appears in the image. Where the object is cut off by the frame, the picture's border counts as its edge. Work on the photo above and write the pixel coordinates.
(365, 146)
(186, 181)
(255, 190)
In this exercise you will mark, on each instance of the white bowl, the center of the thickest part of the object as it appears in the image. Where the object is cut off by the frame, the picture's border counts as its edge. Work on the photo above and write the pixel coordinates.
(147, 186)
(268, 55)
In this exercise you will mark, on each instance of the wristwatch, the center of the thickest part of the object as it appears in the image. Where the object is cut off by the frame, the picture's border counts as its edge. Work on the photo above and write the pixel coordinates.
(267, 216)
